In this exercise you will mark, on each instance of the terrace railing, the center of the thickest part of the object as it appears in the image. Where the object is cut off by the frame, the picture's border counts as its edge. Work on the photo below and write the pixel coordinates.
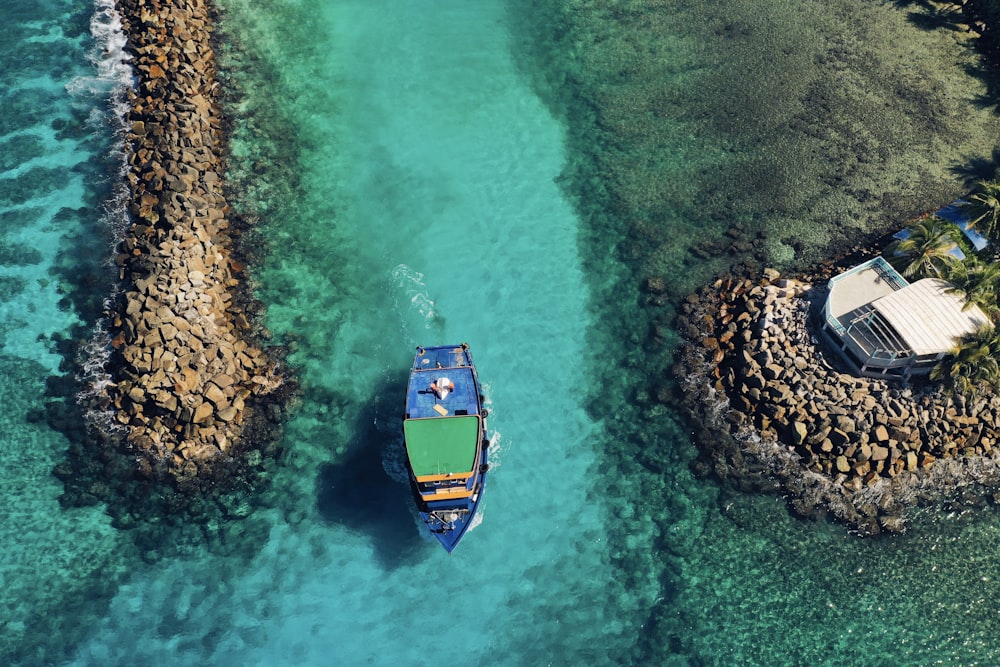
(884, 271)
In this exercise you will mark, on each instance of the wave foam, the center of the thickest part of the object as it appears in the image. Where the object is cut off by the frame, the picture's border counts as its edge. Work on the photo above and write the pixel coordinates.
(112, 79)
(113, 71)
(95, 378)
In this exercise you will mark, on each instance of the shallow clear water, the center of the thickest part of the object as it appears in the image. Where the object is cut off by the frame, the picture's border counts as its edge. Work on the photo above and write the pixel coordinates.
(56, 172)
(429, 213)
(418, 179)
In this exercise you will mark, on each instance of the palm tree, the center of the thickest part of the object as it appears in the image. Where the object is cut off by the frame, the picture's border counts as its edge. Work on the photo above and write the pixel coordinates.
(926, 252)
(974, 361)
(983, 209)
(977, 282)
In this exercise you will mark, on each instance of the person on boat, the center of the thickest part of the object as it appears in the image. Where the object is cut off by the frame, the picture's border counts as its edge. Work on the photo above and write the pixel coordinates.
(442, 387)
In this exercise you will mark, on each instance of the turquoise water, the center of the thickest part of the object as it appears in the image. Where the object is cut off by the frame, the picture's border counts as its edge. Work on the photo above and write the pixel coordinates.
(56, 173)
(417, 171)
(443, 223)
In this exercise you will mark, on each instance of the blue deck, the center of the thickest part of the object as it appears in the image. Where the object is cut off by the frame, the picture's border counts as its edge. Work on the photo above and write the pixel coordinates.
(452, 362)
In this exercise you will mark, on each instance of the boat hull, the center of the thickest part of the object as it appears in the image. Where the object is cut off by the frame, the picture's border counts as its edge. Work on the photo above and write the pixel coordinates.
(444, 431)
(450, 530)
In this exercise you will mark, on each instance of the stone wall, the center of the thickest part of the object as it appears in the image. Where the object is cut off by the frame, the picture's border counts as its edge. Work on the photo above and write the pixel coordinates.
(781, 396)
(185, 368)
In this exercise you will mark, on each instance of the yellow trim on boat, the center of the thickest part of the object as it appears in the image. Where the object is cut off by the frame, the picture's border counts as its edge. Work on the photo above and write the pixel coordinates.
(446, 494)
(447, 476)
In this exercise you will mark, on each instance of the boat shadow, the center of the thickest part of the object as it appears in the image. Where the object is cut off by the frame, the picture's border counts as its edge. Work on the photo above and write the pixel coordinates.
(366, 489)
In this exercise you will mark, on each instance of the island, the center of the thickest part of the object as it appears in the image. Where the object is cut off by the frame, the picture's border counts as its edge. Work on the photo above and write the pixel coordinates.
(861, 388)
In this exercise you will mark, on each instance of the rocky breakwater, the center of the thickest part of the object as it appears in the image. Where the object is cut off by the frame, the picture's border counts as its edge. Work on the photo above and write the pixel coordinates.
(185, 370)
(776, 408)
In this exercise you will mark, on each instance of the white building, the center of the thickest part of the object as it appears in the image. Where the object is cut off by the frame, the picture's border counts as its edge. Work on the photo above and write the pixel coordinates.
(889, 327)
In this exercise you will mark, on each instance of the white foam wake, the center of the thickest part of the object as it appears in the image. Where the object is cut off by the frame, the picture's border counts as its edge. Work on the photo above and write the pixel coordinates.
(411, 283)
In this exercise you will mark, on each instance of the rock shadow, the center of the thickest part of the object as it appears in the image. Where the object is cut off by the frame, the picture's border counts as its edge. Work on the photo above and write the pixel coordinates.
(359, 493)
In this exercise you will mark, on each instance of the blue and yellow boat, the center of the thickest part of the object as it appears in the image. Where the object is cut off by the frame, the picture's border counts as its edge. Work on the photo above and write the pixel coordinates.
(446, 442)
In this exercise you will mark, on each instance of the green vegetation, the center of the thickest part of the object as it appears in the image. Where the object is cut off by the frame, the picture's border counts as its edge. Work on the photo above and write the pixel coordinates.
(927, 251)
(983, 209)
(973, 364)
(976, 280)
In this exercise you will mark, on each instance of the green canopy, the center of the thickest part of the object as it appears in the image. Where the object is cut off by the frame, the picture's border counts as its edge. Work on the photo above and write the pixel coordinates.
(441, 445)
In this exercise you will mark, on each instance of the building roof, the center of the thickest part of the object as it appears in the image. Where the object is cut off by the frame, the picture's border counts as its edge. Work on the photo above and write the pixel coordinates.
(930, 319)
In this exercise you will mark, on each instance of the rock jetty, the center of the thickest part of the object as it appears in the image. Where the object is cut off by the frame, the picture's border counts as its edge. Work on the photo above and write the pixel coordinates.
(185, 370)
(777, 409)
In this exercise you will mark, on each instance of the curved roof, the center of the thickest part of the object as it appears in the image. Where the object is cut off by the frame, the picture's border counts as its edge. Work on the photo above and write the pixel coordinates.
(929, 318)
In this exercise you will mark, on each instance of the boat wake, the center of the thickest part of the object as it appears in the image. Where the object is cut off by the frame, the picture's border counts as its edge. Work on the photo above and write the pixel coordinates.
(411, 283)
(494, 436)
(477, 518)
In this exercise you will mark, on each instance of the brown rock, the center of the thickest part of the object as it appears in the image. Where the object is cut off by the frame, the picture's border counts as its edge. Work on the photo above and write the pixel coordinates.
(203, 413)
(853, 484)
(215, 394)
(166, 400)
(168, 332)
(820, 435)
(227, 414)
(845, 423)
(772, 371)
(839, 438)
(202, 452)
(180, 380)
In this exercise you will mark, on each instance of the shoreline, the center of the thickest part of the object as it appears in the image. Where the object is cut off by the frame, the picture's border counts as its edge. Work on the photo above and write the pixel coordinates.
(778, 411)
(188, 376)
